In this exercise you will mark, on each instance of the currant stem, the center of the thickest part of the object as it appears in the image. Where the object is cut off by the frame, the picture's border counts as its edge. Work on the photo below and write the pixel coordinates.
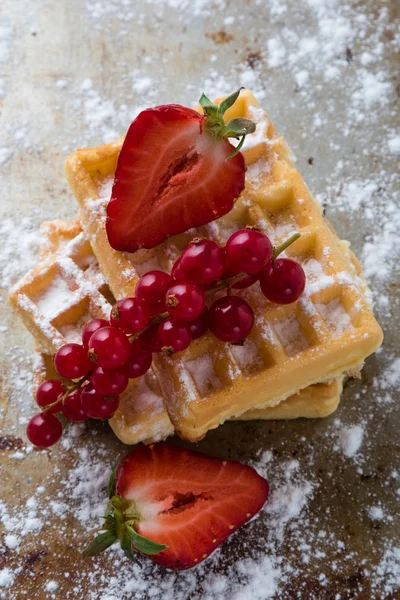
(69, 391)
(285, 245)
(154, 321)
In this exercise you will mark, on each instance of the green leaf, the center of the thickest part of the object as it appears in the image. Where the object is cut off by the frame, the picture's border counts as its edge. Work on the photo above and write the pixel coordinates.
(229, 101)
(205, 102)
(241, 126)
(101, 542)
(126, 545)
(111, 483)
(237, 149)
(110, 522)
(143, 544)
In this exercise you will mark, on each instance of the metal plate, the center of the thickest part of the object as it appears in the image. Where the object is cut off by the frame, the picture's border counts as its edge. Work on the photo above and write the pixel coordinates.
(340, 125)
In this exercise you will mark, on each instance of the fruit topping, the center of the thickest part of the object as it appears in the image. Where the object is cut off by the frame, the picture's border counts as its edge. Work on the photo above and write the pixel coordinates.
(176, 170)
(177, 506)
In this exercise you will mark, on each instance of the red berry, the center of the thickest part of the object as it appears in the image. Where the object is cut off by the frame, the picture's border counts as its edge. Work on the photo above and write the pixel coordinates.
(131, 315)
(71, 361)
(185, 301)
(245, 282)
(109, 347)
(90, 328)
(49, 392)
(248, 251)
(203, 261)
(139, 361)
(173, 336)
(151, 288)
(177, 272)
(199, 327)
(231, 319)
(108, 382)
(96, 406)
(72, 408)
(283, 281)
(44, 430)
(148, 339)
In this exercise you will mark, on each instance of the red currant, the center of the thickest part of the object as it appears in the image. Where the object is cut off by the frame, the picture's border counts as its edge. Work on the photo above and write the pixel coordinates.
(96, 406)
(44, 430)
(283, 281)
(245, 282)
(131, 315)
(109, 347)
(108, 382)
(199, 327)
(139, 361)
(49, 392)
(72, 408)
(71, 361)
(231, 319)
(177, 272)
(151, 288)
(148, 339)
(248, 251)
(185, 301)
(173, 336)
(203, 261)
(90, 328)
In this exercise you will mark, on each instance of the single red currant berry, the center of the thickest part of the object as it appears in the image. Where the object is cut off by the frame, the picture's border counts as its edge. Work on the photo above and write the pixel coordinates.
(71, 361)
(131, 315)
(148, 339)
(44, 430)
(139, 361)
(72, 408)
(96, 406)
(173, 336)
(199, 327)
(108, 382)
(49, 392)
(177, 273)
(283, 281)
(90, 328)
(245, 282)
(109, 347)
(203, 261)
(185, 301)
(248, 251)
(231, 319)
(151, 288)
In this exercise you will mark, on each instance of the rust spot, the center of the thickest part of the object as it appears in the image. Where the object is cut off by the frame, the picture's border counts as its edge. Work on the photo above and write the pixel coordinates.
(220, 37)
(9, 442)
(31, 560)
(349, 55)
(253, 59)
(310, 160)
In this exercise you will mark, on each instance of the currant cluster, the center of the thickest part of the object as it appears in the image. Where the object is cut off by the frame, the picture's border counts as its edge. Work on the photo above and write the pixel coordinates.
(167, 313)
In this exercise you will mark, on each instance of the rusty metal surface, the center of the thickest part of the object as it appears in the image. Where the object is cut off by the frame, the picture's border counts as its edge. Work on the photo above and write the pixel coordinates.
(52, 49)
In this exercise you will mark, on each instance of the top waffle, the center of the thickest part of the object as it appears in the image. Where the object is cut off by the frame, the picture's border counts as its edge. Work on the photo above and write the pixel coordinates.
(328, 331)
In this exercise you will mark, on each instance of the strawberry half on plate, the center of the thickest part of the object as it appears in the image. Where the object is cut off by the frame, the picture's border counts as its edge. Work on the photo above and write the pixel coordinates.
(177, 506)
(176, 170)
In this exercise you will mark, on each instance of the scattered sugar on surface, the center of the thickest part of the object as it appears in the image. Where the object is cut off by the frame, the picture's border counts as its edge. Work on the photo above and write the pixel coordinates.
(350, 439)
(21, 240)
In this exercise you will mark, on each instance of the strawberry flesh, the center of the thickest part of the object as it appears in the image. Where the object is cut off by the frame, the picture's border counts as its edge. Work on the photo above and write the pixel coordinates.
(172, 175)
(188, 501)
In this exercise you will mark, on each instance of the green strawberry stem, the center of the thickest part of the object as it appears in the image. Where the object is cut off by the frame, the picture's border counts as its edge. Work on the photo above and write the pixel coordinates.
(121, 519)
(215, 125)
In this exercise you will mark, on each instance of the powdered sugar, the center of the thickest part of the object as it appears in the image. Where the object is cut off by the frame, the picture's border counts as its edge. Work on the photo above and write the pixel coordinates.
(350, 439)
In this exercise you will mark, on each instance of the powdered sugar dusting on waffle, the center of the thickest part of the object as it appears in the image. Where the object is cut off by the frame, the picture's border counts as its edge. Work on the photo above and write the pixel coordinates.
(335, 316)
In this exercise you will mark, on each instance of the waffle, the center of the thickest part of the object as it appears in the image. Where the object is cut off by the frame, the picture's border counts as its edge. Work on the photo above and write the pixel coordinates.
(329, 331)
(56, 299)
(141, 416)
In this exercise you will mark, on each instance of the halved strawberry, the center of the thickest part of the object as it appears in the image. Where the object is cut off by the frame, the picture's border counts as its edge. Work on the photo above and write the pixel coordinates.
(181, 505)
(176, 170)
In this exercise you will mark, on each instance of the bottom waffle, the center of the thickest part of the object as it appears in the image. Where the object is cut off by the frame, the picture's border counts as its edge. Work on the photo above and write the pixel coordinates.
(141, 416)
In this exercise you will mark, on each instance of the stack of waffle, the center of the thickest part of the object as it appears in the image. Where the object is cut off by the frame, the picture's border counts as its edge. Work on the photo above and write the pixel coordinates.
(293, 363)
